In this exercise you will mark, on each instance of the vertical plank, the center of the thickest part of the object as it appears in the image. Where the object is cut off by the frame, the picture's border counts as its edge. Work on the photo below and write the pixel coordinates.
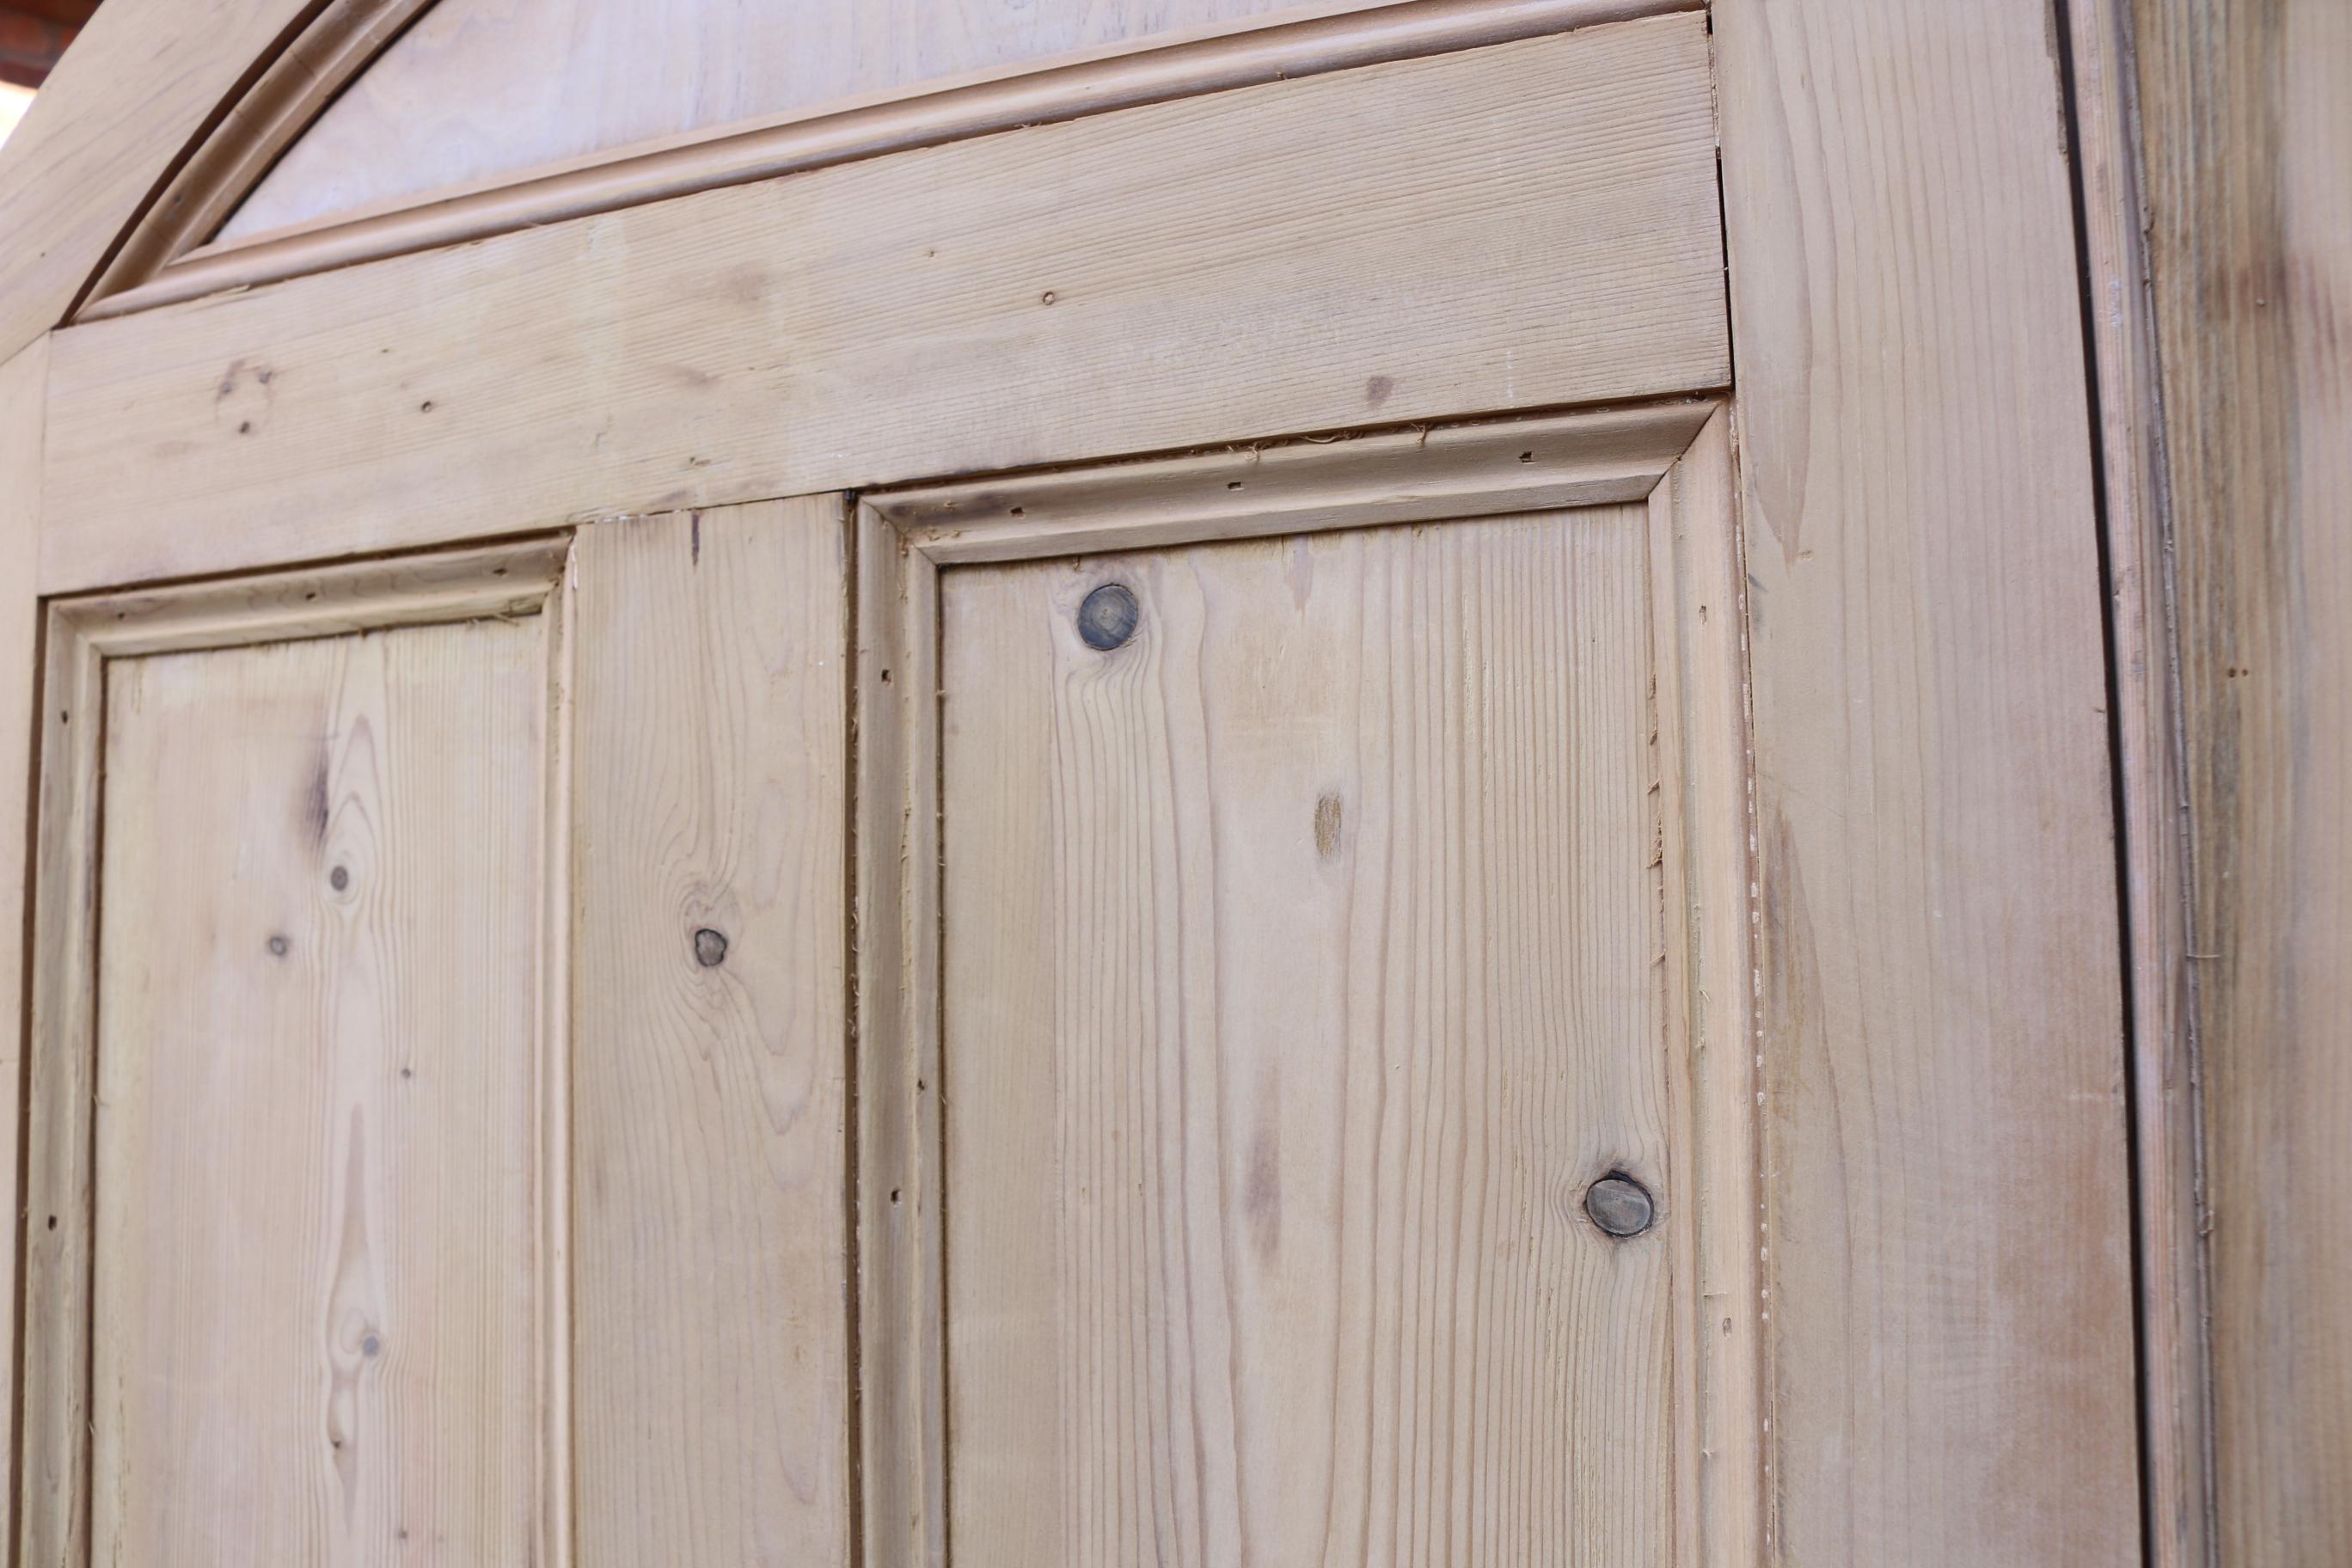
(53, 1418)
(901, 1262)
(1698, 624)
(2175, 1367)
(1949, 1245)
(2245, 122)
(709, 1240)
(1303, 967)
(314, 1323)
(24, 391)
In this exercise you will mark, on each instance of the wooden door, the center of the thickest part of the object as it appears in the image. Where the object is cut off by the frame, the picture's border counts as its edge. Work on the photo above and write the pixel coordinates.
(438, 1080)
(1133, 811)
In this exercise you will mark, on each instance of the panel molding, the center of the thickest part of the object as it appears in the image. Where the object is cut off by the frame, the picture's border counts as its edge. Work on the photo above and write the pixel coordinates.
(995, 304)
(83, 635)
(168, 263)
(1675, 456)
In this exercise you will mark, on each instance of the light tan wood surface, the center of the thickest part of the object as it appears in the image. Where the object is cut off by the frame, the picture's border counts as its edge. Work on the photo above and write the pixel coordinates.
(313, 1317)
(710, 1251)
(198, 1313)
(1693, 865)
(141, 82)
(1303, 969)
(1006, 301)
(2244, 121)
(23, 388)
(336, 42)
(1950, 1366)
(482, 87)
(1291, 44)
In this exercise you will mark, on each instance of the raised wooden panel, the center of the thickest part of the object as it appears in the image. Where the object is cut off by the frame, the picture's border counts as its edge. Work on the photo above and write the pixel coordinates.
(1304, 968)
(314, 1281)
(1144, 280)
(287, 1287)
(483, 88)
(710, 1226)
(438, 1139)
(1300, 964)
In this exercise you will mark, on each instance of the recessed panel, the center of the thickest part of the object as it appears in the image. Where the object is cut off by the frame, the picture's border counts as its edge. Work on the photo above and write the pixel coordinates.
(1303, 951)
(313, 1298)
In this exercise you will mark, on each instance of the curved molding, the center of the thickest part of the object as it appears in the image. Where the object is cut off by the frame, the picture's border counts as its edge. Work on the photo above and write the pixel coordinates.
(140, 90)
(292, 91)
(1148, 71)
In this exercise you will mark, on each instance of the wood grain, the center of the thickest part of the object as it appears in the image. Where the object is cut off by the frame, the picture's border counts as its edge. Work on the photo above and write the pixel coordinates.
(1948, 1248)
(710, 1246)
(139, 85)
(1010, 301)
(1292, 44)
(314, 1322)
(483, 88)
(1303, 966)
(23, 397)
(2245, 122)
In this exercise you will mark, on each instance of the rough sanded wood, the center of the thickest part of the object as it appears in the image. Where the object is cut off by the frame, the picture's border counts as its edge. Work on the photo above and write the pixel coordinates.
(710, 1244)
(2245, 121)
(1948, 1253)
(1354, 248)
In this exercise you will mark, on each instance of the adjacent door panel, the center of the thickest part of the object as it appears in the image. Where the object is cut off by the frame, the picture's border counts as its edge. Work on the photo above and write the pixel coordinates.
(438, 1140)
(1291, 881)
(1304, 970)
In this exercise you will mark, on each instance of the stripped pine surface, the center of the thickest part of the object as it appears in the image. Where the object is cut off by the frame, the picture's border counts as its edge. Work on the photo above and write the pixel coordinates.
(1303, 968)
(709, 1240)
(314, 1287)
(1142, 280)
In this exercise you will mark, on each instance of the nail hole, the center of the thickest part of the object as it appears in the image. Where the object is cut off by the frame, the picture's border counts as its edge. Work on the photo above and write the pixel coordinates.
(277, 946)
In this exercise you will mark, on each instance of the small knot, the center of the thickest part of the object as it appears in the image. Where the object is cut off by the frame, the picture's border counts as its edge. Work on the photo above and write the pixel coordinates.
(709, 948)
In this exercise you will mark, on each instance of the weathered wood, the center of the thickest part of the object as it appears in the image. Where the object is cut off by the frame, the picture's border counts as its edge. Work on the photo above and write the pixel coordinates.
(710, 1243)
(2245, 122)
(1948, 1246)
(1129, 282)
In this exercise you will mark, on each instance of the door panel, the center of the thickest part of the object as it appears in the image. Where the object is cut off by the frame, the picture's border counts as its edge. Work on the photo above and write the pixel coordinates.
(1304, 968)
(314, 1290)
(438, 1059)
